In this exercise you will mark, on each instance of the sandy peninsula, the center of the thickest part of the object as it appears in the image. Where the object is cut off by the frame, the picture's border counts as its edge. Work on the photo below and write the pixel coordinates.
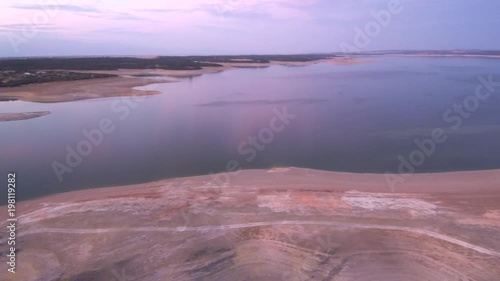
(78, 90)
(278, 224)
(6, 117)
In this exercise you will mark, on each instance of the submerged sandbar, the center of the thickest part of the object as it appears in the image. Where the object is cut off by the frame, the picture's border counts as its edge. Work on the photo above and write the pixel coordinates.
(5, 117)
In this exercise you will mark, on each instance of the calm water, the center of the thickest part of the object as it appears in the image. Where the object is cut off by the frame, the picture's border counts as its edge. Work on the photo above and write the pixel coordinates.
(356, 118)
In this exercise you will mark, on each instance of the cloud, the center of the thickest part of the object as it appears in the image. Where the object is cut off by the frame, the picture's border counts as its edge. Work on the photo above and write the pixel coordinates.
(123, 16)
(70, 8)
(243, 26)
(87, 11)
(277, 9)
(163, 10)
(22, 27)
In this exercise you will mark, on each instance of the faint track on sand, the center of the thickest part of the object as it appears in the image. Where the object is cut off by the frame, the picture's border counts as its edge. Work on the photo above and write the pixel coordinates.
(424, 232)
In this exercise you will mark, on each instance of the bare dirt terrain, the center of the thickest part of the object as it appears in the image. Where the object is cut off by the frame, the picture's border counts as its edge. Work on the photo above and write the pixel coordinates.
(278, 224)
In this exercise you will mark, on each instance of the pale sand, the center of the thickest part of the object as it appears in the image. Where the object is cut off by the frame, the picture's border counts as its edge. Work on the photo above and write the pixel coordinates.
(79, 90)
(466, 182)
(124, 84)
(5, 117)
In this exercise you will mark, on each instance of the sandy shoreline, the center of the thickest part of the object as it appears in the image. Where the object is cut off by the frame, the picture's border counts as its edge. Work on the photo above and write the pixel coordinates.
(78, 90)
(483, 181)
(128, 80)
(334, 60)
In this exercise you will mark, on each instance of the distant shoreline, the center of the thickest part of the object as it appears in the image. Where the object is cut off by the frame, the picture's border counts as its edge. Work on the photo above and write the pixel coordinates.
(128, 81)
(448, 55)
(127, 74)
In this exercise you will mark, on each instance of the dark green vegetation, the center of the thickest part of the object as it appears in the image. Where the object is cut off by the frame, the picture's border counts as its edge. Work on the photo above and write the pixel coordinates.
(18, 78)
(114, 63)
(101, 63)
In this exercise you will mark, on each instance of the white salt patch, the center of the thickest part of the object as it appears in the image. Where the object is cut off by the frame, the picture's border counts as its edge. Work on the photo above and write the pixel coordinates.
(380, 203)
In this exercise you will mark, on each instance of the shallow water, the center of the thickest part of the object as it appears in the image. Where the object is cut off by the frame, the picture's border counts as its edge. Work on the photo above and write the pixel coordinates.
(356, 118)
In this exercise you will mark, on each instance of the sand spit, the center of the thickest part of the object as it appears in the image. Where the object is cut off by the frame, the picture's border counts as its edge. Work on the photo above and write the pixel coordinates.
(79, 90)
(6, 117)
(278, 224)
(129, 81)
(333, 60)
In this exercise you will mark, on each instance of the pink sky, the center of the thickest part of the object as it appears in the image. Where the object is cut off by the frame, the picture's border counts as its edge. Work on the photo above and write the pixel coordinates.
(112, 27)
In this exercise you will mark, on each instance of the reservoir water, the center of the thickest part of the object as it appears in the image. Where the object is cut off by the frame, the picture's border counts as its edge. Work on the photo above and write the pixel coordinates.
(361, 118)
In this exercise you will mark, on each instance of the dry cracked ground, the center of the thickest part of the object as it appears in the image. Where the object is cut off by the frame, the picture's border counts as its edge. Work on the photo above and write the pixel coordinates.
(278, 224)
